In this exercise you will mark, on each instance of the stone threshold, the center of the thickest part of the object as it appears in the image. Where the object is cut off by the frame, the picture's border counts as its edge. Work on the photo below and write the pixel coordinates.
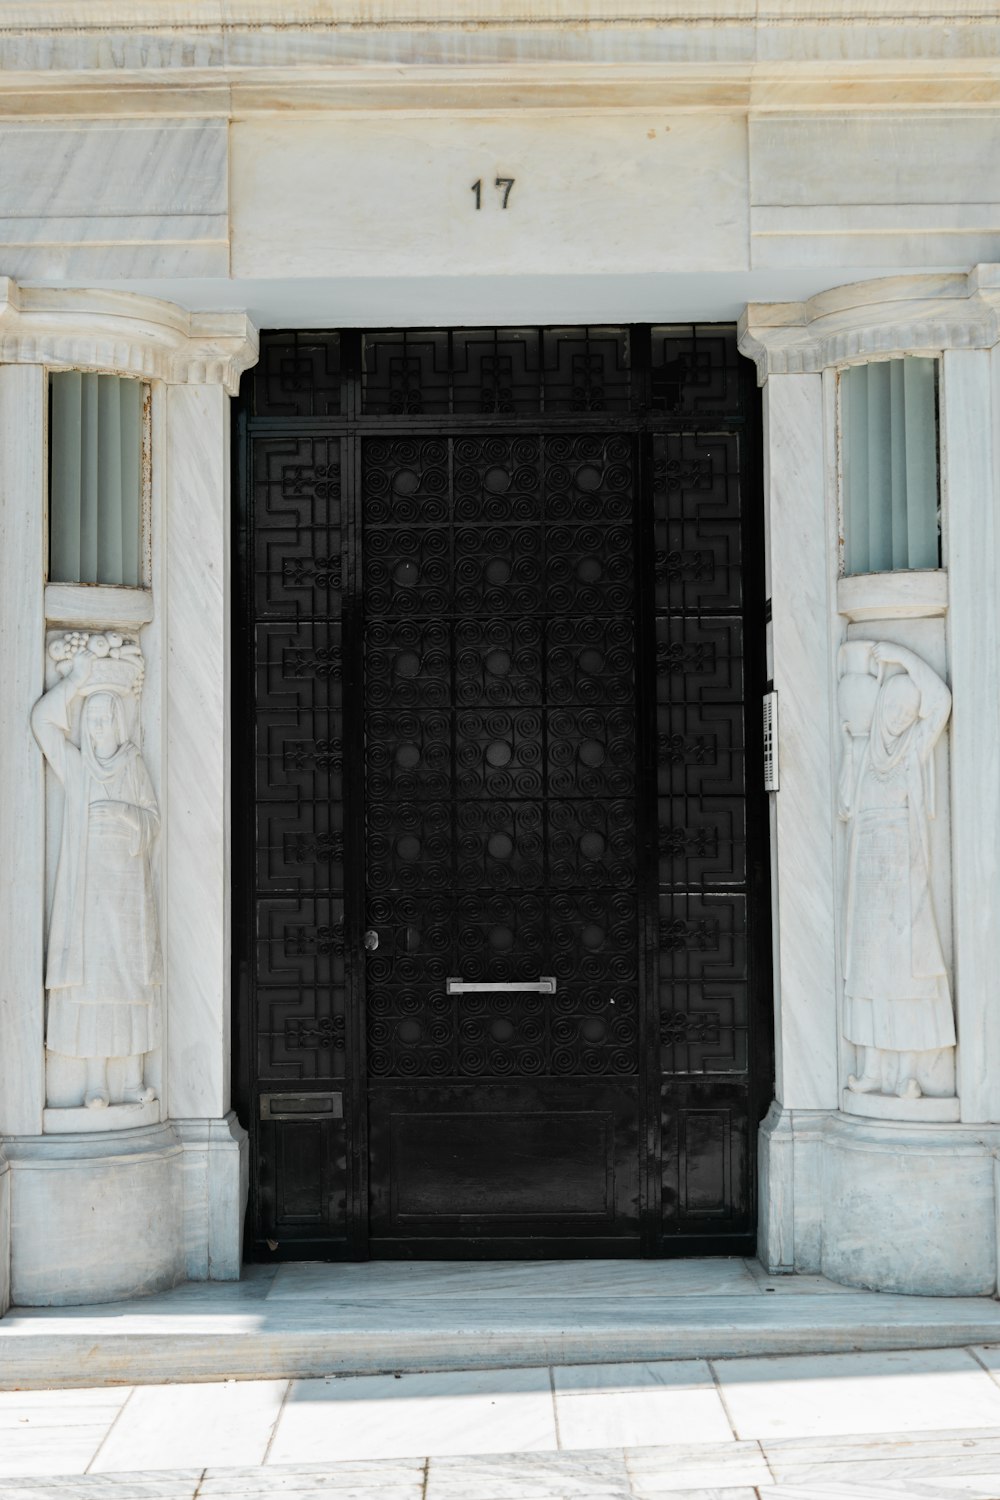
(305, 1320)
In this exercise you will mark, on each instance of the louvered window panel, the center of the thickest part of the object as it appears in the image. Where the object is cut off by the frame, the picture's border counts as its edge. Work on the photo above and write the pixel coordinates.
(95, 479)
(889, 455)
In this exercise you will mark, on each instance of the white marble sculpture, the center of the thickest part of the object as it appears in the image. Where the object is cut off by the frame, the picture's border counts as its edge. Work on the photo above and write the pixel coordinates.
(103, 958)
(893, 709)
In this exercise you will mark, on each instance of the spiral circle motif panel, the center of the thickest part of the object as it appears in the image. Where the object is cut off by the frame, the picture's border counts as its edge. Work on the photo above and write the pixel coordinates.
(500, 752)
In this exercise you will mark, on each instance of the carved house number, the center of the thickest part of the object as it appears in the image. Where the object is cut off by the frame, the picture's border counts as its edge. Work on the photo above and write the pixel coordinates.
(503, 186)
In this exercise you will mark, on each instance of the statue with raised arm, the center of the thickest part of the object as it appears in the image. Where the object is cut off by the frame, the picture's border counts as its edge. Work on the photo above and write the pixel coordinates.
(894, 708)
(103, 959)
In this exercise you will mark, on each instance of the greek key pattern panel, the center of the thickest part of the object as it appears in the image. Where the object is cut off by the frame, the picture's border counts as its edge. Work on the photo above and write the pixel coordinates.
(696, 505)
(490, 372)
(298, 954)
(298, 561)
(702, 975)
(702, 982)
(696, 372)
(299, 375)
(699, 660)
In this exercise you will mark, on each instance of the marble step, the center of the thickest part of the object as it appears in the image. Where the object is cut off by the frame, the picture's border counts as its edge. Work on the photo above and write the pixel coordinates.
(215, 1335)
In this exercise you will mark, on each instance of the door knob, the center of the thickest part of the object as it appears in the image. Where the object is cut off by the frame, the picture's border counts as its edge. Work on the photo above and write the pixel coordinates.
(371, 940)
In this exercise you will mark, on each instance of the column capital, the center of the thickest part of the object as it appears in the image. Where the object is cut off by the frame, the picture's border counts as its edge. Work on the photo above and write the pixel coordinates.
(867, 320)
(121, 333)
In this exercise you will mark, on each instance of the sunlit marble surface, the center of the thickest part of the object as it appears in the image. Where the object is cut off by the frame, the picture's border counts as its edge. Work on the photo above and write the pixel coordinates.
(301, 1321)
(804, 1428)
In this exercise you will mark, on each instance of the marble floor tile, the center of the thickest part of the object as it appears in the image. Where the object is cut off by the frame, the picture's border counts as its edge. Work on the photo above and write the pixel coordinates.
(315, 1281)
(663, 1471)
(988, 1355)
(891, 1456)
(708, 1492)
(88, 1406)
(627, 1405)
(49, 1450)
(188, 1426)
(177, 1485)
(382, 1416)
(836, 1490)
(824, 1394)
(538, 1476)
(394, 1479)
(984, 1485)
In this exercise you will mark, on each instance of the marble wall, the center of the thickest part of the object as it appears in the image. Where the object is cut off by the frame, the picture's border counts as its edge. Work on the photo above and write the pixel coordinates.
(903, 1197)
(112, 1202)
(118, 198)
(659, 171)
(628, 193)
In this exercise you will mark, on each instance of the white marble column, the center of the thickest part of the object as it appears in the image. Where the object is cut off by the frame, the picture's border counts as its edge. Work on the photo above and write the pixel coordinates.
(22, 784)
(970, 414)
(197, 821)
(4, 1234)
(806, 1046)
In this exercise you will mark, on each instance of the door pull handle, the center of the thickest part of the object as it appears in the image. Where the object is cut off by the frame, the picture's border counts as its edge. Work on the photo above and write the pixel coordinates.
(546, 985)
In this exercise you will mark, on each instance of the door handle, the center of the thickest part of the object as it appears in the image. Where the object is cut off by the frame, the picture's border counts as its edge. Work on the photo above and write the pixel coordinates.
(371, 940)
(546, 985)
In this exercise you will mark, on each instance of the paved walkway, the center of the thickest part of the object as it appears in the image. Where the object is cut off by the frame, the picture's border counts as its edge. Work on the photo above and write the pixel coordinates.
(920, 1423)
(124, 1401)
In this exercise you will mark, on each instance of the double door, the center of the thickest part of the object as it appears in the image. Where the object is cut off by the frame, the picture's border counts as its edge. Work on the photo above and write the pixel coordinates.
(499, 606)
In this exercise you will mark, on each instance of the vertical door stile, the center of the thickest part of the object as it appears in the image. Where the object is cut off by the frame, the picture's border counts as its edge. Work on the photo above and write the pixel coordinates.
(354, 789)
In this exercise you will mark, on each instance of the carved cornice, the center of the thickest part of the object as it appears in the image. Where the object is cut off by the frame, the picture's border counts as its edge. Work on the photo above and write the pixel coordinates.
(123, 334)
(240, 56)
(873, 320)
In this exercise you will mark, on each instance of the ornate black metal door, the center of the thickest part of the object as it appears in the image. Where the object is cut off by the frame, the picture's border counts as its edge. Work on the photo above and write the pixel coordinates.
(496, 993)
(502, 870)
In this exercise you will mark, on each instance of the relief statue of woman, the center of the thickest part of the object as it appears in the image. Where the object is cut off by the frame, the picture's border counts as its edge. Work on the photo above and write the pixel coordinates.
(103, 965)
(898, 1003)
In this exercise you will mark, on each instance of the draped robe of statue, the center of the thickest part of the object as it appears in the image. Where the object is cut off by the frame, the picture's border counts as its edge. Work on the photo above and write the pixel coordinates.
(896, 983)
(103, 963)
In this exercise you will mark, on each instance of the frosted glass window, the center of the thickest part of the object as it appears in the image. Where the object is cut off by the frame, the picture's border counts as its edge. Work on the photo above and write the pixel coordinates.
(95, 479)
(889, 453)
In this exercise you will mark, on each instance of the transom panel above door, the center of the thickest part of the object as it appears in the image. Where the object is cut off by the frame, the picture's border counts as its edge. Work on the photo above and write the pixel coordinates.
(497, 994)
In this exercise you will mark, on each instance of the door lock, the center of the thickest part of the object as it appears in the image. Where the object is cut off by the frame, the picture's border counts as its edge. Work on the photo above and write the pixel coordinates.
(371, 940)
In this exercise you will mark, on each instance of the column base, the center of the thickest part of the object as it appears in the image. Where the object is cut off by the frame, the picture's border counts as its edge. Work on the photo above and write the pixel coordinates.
(888, 1205)
(215, 1170)
(94, 1217)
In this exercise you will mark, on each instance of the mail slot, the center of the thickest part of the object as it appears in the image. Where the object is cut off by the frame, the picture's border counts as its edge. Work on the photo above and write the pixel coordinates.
(302, 1106)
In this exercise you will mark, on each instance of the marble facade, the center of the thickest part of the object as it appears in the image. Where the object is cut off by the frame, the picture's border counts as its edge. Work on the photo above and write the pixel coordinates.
(195, 170)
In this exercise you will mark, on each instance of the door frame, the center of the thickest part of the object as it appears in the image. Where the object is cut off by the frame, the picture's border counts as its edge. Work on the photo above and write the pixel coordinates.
(760, 1062)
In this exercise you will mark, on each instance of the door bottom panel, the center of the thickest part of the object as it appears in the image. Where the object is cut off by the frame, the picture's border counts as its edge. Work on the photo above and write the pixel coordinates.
(498, 1163)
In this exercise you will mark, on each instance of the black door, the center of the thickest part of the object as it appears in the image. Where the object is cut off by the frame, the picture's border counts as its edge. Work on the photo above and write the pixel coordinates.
(496, 994)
